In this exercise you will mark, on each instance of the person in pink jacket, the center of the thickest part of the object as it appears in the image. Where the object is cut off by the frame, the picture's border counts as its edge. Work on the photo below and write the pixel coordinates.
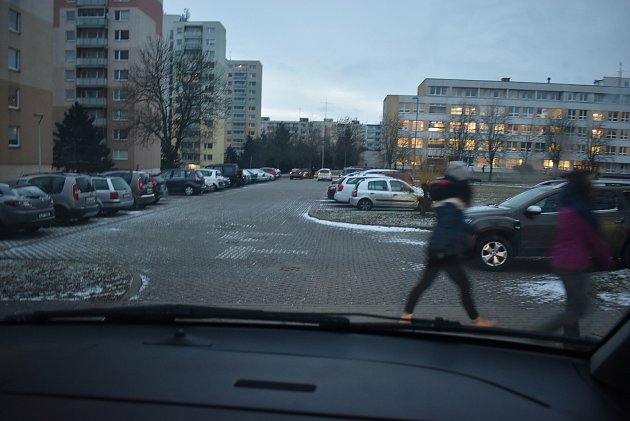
(576, 243)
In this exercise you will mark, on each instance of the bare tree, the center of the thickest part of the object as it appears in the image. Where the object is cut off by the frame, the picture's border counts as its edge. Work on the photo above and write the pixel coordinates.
(391, 126)
(463, 134)
(173, 94)
(556, 133)
(492, 134)
(595, 147)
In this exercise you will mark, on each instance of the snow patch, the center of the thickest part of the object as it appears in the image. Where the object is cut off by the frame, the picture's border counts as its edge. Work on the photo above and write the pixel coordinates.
(373, 228)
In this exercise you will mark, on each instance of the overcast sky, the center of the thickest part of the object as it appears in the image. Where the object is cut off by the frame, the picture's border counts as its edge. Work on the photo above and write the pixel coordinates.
(350, 54)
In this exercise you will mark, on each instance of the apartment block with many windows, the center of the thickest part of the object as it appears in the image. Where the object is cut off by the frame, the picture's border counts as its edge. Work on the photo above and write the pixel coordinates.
(95, 45)
(205, 141)
(244, 81)
(596, 117)
(26, 83)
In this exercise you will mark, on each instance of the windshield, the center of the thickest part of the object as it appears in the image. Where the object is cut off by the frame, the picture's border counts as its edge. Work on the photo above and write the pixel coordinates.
(495, 95)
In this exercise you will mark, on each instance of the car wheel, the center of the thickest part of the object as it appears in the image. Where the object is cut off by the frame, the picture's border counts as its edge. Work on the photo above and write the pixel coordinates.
(364, 205)
(189, 190)
(213, 187)
(494, 253)
(31, 229)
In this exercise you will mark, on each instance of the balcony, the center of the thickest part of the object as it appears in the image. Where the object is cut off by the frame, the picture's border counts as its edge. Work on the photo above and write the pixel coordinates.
(91, 22)
(91, 62)
(92, 102)
(91, 42)
(100, 122)
(83, 82)
(91, 3)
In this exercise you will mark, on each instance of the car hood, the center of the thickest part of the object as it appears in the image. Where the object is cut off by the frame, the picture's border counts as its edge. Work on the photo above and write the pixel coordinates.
(483, 211)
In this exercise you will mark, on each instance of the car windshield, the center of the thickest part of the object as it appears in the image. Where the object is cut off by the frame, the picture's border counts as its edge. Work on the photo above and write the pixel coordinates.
(470, 103)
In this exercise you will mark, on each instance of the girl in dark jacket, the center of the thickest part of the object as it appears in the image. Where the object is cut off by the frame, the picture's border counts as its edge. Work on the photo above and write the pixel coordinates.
(451, 195)
(577, 240)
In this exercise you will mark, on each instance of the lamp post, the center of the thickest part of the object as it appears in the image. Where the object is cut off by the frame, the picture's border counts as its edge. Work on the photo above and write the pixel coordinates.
(39, 140)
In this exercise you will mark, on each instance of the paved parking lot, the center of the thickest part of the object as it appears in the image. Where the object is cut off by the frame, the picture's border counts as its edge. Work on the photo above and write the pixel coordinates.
(257, 247)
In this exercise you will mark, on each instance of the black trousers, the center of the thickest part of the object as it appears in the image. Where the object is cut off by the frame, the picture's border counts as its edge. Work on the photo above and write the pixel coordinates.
(452, 266)
(577, 287)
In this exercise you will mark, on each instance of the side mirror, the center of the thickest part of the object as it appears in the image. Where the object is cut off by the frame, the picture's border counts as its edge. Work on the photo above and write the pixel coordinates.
(533, 210)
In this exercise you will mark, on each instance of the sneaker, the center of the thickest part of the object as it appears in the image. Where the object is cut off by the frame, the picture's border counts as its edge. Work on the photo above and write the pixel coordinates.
(483, 322)
(406, 318)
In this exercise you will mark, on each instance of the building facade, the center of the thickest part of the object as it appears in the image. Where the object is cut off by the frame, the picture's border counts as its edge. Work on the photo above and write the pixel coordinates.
(205, 141)
(244, 81)
(595, 122)
(95, 45)
(26, 120)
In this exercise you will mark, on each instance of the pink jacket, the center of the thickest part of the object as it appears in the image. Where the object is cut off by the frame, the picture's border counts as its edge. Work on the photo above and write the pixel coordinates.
(576, 242)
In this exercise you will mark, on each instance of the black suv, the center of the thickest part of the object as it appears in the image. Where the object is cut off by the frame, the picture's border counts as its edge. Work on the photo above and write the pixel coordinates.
(524, 225)
(182, 180)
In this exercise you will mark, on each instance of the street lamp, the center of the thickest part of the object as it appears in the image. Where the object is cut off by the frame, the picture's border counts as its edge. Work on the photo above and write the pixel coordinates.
(39, 140)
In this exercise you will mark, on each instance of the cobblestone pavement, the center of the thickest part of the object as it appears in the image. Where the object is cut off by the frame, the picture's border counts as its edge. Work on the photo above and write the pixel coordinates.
(258, 246)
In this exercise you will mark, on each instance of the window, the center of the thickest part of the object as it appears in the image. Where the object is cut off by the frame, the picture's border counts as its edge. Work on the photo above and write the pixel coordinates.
(598, 116)
(577, 96)
(70, 55)
(469, 92)
(513, 111)
(378, 185)
(69, 95)
(623, 134)
(611, 134)
(583, 115)
(623, 150)
(605, 200)
(571, 114)
(609, 150)
(207, 145)
(14, 59)
(70, 36)
(121, 35)
(613, 116)
(69, 74)
(437, 108)
(14, 98)
(120, 155)
(15, 21)
(121, 74)
(625, 116)
(120, 95)
(437, 90)
(120, 134)
(71, 15)
(121, 55)
(14, 136)
(528, 111)
(121, 15)
(207, 157)
(550, 203)
(120, 115)
(581, 132)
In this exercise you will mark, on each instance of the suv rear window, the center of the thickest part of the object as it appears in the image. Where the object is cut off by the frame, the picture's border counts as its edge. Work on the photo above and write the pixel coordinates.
(85, 184)
(119, 184)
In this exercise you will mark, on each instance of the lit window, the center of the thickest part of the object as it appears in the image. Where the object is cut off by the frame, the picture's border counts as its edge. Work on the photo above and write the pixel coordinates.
(15, 21)
(14, 59)
(121, 35)
(120, 154)
(13, 136)
(121, 15)
(14, 97)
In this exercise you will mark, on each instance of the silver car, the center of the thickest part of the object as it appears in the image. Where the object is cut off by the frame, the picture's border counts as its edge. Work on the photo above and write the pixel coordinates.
(385, 192)
(73, 194)
(114, 194)
(25, 207)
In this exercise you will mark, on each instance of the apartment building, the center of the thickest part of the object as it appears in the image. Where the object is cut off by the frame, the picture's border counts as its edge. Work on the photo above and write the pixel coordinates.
(428, 121)
(26, 120)
(304, 130)
(373, 139)
(244, 81)
(205, 141)
(95, 43)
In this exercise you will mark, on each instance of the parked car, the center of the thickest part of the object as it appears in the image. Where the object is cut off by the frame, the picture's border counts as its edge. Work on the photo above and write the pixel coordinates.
(249, 176)
(230, 170)
(25, 207)
(73, 194)
(401, 175)
(262, 175)
(295, 173)
(274, 172)
(385, 192)
(184, 181)
(332, 188)
(160, 189)
(346, 186)
(307, 173)
(324, 174)
(140, 183)
(523, 225)
(113, 193)
(212, 179)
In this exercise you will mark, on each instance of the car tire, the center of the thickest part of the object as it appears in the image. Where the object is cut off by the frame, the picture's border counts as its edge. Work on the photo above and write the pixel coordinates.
(189, 190)
(61, 214)
(213, 188)
(493, 253)
(364, 205)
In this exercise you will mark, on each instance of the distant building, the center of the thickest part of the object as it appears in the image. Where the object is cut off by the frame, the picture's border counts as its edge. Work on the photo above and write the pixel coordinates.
(204, 143)
(428, 121)
(373, 137)
(244, 79)
(95, 43)
(27, 81)
(303, 130)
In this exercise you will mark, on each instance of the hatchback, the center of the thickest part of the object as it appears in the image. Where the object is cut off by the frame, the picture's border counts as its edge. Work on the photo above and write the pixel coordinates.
(140, 183)
(182, 180)
(324, 174)
(25, 207)
(212, 179)
(295, 173)
(385, 193)
(73, 194)
(114, 194)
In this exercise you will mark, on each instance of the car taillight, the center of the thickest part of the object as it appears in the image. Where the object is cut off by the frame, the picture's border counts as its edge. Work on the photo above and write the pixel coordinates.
(340, 187)
(140, 184)
(113, 195)
(75, 192)
(19, 203)
(153, 181)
